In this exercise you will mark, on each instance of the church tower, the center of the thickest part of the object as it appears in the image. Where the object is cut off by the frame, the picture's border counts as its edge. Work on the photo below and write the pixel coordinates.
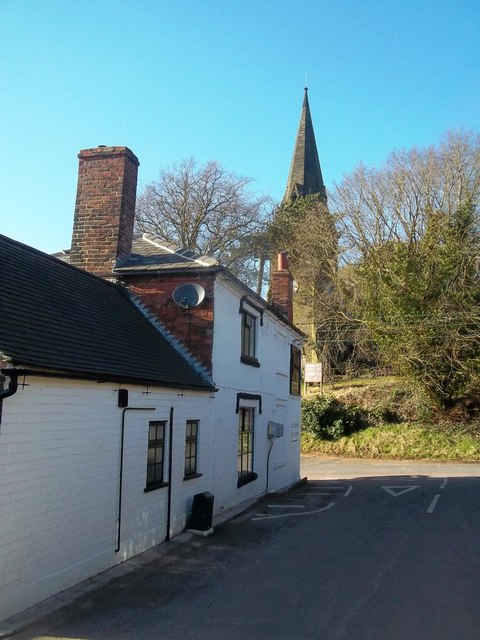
(305, 175)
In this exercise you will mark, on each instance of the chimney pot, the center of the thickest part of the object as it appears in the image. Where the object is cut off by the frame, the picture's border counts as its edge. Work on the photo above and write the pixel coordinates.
(281, 287)
(282, 261)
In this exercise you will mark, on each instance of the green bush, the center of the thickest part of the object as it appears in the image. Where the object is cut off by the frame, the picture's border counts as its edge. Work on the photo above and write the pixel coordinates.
(328, 418)
(386, 419)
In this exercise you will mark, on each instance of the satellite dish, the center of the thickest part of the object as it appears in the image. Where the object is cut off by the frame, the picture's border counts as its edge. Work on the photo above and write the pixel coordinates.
(188, 295)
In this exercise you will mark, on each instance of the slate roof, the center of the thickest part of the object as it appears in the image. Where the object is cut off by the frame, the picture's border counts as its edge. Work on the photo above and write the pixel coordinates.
(58, 317)
(150, 253)
(305, 175)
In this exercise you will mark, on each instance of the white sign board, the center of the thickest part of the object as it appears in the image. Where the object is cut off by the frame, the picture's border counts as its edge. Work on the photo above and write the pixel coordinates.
(313, 372)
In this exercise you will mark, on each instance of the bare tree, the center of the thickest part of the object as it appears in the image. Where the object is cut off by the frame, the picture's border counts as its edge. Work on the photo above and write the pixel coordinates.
(411, 232)
(394, 203)
(205, 209)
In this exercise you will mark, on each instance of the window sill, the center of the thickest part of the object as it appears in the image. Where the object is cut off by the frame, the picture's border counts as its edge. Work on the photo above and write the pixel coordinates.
(253, 362)
(157, 485)
(246, 478)
(192, 476)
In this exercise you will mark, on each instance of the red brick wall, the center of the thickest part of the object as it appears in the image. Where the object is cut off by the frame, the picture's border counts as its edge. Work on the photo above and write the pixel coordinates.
(281, 287)
(104, 209)
(193, 327)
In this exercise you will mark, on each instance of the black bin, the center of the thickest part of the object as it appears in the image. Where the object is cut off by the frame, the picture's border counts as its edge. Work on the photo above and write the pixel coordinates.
(201, 517)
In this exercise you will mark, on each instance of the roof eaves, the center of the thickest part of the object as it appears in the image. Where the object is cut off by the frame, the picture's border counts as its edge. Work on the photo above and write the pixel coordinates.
(258, 299)
(26, 369)
(156, 270)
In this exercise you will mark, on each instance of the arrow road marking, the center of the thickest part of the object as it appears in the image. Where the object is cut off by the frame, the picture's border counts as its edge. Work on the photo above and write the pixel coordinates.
(396, 491)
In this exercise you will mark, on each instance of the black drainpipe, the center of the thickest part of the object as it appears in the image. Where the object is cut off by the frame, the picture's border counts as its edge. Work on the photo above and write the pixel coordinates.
(270, 447)
(170, 458)
(120, 487)
(12, 385)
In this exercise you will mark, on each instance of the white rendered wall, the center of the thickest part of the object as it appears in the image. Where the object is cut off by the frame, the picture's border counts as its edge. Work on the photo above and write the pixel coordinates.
(272, 381)
(59, 482)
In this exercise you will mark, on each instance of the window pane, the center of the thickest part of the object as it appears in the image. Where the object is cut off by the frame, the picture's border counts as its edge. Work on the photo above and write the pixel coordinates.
(248, 334)
(295, 370)
(245, 441)
(155, 452)
(191, 439)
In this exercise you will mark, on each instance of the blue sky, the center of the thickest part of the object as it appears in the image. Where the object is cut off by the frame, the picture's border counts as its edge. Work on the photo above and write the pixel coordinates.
(223, 80)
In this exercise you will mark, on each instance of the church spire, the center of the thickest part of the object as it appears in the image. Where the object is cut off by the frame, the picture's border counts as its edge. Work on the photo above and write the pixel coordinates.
(305, 175)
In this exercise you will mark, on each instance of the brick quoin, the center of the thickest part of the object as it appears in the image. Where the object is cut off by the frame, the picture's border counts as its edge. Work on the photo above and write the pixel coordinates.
(193, 327)
(104, 208)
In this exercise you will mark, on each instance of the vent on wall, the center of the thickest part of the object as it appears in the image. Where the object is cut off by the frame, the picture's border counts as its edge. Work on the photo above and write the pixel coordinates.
(188, 295)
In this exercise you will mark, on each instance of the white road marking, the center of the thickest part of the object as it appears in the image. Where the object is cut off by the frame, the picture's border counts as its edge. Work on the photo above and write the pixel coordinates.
(444, 483)
(328, 492)
(260, 516)
(433, 503)
(396, 491)
(316, 493)
(326, 486)
(285, 506)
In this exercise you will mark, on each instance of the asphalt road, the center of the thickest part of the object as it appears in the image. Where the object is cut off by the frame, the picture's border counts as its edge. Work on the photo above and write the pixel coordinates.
(364, 551)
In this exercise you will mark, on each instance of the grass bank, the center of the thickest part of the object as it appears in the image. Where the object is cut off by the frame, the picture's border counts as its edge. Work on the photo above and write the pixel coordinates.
(386, 418)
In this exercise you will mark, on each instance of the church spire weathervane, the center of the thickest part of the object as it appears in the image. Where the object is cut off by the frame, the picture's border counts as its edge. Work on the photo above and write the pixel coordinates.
(305, 175)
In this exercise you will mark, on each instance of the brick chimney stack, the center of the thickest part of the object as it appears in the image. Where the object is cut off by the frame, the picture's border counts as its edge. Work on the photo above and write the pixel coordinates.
(104, 209)
(281, 287)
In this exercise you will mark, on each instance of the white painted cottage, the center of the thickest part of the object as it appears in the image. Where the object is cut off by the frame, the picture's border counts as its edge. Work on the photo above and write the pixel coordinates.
(101, 421)
(249, 347)
(252, 352)
(123, 398)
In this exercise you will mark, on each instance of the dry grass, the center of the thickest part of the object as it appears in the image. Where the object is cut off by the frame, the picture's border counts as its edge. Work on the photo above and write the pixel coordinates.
(414, 432)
